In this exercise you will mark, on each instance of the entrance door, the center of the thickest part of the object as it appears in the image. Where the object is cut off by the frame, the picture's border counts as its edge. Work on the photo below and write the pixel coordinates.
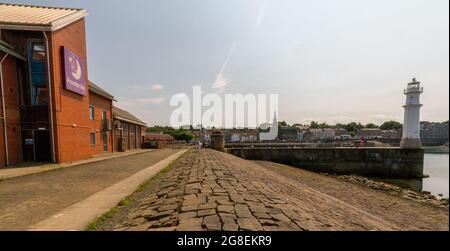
(42, 145)
(105, 141)
(28, 145)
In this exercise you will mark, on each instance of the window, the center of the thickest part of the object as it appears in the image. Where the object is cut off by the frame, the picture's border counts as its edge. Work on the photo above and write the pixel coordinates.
(92, 138)
(37, 70)
(91, 112)
(38, 51)
(104, 115)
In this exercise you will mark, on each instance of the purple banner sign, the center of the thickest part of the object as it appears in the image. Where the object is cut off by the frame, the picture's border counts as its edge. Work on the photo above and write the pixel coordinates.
(74, 75)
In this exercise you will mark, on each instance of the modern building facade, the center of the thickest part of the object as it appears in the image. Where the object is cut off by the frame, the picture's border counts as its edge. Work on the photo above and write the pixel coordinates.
(50, 112)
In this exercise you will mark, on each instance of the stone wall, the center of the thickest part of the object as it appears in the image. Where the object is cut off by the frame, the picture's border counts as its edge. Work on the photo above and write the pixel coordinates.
(371, 162)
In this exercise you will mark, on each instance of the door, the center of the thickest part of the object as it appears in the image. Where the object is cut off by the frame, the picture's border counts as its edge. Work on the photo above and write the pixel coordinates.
(42, 145)
(28, 145)
(105, 141)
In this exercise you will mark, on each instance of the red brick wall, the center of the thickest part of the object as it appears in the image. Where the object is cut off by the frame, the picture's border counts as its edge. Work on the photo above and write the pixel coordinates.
(12, 102)
(71, 111)
(100, 104)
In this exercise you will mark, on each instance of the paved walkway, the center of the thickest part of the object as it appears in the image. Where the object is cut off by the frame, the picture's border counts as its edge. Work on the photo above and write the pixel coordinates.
(29, 199)
(209, 190)
(79, 215)
(33, 168)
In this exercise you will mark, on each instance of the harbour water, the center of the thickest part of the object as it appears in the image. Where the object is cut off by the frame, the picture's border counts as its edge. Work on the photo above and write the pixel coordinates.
(437, 167)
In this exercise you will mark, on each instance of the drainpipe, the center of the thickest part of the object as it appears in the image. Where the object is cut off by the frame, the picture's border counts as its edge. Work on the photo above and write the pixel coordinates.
(5, 131)
(52, 134)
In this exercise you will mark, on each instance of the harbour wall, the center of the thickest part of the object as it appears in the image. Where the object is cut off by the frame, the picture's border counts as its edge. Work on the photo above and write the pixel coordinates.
(370, 162)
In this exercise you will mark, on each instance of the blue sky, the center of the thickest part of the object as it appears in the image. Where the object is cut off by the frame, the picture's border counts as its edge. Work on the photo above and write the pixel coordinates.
(328, 60)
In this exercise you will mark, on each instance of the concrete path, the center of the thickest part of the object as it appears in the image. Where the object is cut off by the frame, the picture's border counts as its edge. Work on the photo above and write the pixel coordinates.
(27, 200)
(27, 169)
(79, 215)
(210, 190)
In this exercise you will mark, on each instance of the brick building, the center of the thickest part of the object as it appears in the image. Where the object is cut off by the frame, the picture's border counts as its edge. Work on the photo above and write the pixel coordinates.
(50, 112)
(129, 131)
(157, 140)
(434, 133)
(369, 133)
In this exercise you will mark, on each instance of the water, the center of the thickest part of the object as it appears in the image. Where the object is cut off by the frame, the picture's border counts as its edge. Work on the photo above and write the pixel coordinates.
(437, 166)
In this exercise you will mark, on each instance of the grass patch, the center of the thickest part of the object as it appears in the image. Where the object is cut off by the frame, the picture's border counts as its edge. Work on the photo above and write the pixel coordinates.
(100, 221)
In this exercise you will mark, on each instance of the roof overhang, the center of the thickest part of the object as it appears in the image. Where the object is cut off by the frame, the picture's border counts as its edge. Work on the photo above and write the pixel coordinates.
(129, 121)
(102, 95)
(53, 26)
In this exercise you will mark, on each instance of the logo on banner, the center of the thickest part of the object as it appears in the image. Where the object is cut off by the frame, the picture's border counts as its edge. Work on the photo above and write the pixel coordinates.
(74, 76)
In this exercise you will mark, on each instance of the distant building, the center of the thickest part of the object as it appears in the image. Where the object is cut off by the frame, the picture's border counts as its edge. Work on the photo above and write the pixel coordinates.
(328, 133)
(288, 134)
(340, 132)
(157, 140)
(369, 133)
(315, 134)
(434, 133)
(129, 131)
(235, 137)
(203, 135)
(391, 134)
(301, 134)
(241, 135)
(250, 136)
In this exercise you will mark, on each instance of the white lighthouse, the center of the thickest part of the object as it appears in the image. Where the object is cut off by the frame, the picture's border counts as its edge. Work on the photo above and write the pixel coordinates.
(411, 124)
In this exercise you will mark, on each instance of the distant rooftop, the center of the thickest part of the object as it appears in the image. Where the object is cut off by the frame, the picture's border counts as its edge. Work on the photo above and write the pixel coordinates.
(123, 115)
(99, 91)
(40, 18)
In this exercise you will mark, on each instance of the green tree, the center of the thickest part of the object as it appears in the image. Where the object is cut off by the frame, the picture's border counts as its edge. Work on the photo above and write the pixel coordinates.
(324, 125)
(314, 125)
(353, 126)
(182, 135)
(282, 123)
(371, 125)
(391, 125)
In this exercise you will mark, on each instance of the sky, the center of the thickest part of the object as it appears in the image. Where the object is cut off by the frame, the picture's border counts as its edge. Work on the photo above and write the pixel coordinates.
(329, 61)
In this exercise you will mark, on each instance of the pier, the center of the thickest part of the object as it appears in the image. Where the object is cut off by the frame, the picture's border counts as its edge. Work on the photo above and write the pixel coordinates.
(386, 162)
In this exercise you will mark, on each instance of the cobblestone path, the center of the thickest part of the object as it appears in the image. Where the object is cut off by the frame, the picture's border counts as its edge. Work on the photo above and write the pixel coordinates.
(210, 190)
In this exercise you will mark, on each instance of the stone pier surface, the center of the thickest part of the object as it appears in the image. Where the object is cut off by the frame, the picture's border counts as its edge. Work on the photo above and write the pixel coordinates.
(211, 190)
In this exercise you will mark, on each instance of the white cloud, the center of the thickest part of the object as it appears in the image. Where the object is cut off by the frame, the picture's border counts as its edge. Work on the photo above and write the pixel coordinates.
(157, 87)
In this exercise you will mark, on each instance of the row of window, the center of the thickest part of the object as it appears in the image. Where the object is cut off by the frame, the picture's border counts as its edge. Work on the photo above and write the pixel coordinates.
(92, 113)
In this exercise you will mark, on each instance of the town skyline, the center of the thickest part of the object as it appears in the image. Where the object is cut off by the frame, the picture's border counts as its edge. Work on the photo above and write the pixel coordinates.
(350, 63)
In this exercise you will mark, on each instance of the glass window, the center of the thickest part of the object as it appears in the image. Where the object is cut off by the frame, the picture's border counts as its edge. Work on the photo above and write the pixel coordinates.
(38, 51)
(41, 95)
(91, 112)
(92, 138)
(104, 115)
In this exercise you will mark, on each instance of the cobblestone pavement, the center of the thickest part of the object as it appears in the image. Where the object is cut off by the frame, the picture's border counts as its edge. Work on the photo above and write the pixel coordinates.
(29, 199)
(210, 190)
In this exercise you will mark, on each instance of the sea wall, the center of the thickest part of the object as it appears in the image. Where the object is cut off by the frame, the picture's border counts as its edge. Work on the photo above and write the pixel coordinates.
(370, 162)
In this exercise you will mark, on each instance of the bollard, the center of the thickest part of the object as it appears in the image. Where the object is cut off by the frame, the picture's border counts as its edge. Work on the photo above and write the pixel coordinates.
(217, 141)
